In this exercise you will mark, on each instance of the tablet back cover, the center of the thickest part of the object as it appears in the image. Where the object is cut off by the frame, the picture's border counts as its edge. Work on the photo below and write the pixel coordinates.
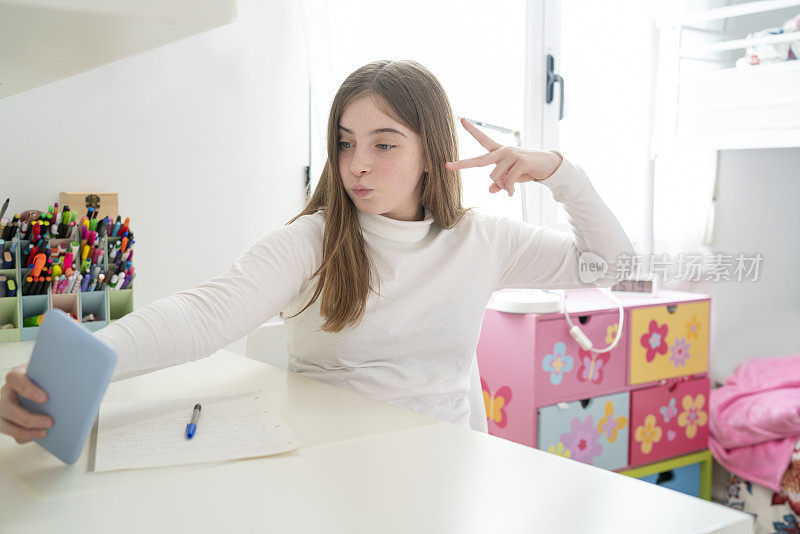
(74, 368)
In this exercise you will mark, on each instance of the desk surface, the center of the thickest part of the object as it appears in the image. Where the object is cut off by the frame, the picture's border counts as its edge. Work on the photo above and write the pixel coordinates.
(365, 466)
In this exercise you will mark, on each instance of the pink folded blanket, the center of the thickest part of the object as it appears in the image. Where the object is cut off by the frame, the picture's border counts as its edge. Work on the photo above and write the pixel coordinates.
(755, 419)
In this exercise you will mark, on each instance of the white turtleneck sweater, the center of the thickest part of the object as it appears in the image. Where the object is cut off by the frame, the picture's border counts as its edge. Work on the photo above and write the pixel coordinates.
(416, 342)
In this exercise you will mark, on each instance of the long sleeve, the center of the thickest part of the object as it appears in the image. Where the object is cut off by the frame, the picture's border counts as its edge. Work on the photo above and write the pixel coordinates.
(195, 323)
(529, 256)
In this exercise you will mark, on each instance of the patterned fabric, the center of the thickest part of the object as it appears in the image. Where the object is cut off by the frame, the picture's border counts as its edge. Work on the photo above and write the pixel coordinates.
(774, 512)
(790, 485)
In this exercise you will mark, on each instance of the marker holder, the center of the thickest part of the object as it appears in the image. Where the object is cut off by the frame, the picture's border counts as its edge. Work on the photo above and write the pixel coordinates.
(120, 303)
(107, 306)
(13, 266)
(111, 241)
(96, 303)
(33, 305)
(9, 313)
(67, 302)
(9, 306)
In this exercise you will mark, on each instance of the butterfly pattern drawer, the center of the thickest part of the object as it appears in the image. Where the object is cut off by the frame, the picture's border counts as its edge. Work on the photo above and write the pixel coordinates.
(668, 340)
(565, 371)
(506, 365)
(668, 420)
(593, 431)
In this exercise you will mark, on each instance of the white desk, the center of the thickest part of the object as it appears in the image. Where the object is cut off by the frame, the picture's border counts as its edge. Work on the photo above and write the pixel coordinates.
(365, 466)
(13, 354)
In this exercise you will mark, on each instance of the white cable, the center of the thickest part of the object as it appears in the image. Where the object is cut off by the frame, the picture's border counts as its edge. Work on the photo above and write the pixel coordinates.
(581, 338)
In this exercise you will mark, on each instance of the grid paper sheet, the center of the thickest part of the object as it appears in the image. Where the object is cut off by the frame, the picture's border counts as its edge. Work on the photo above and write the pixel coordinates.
(153, 434)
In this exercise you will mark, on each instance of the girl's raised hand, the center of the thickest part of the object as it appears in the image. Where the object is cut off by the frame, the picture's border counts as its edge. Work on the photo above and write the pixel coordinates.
(512, 164)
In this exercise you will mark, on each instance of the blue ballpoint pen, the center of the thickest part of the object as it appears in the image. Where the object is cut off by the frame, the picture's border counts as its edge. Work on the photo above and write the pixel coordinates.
(192, 426)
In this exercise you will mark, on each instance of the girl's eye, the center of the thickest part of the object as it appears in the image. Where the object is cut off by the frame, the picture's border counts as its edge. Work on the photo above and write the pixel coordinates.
(383, 147)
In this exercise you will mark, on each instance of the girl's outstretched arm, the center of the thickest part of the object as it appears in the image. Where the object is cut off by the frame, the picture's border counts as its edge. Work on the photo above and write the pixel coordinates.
(194, 323)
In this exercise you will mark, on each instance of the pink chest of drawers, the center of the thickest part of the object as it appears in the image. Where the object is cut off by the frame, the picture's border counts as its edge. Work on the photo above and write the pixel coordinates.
(645, 401)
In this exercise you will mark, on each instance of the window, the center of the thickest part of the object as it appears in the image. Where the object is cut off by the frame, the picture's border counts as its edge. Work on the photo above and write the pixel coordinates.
(476, 52)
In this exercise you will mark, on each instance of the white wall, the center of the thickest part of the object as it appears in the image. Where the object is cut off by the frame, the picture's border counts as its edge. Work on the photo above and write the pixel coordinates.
(756, 212)
(205, 140)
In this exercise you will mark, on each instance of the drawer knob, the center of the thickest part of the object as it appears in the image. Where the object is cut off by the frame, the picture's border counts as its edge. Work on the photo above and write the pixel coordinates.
(665, 476)
(672, 307)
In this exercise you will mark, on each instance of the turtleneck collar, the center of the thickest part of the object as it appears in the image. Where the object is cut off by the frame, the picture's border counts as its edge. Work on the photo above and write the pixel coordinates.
(388, 228)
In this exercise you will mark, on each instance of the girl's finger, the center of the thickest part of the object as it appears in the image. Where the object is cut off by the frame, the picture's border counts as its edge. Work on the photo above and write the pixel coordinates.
(498, 175)
(21, 435)
(479, 161)
(494, 188)
(487, 142)
(513, 175)
(20, 416)
(19, 382)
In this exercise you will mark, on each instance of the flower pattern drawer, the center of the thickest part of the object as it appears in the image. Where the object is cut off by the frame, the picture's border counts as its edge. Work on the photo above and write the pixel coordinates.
(565, 371)
(521, 383)
(685, 479)
(668, 340)
(668, 420)
(592, 431)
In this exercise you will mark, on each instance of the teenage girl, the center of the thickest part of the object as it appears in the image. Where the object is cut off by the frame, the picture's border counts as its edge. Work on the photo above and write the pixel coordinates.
(383, 278)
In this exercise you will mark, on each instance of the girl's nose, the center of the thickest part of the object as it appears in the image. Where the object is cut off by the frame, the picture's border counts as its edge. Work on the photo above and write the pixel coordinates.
(360, 163)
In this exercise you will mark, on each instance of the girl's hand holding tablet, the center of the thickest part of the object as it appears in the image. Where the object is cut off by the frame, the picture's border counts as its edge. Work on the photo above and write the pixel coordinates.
(15, 420)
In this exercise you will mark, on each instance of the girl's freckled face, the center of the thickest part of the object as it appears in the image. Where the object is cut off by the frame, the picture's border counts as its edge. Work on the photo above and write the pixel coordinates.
(380, 153)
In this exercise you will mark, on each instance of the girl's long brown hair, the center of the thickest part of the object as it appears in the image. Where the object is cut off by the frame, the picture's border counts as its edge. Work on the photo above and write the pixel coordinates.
(418, 101)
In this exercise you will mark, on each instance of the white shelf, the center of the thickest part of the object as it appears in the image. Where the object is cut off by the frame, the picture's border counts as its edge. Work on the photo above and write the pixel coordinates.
(726, 12)
(723, 46)
(765, 84)
(42, 41)
(744, 139)
(752, 107)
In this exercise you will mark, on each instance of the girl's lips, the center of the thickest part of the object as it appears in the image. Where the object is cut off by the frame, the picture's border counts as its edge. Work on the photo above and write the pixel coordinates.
(362, 193)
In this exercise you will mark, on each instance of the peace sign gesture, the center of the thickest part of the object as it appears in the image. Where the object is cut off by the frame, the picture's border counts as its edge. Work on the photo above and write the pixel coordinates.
(512, 164)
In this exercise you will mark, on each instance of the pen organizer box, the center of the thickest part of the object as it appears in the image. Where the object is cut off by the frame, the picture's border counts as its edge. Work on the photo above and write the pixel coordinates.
(9, 306)
(105, 306)
(543, 390)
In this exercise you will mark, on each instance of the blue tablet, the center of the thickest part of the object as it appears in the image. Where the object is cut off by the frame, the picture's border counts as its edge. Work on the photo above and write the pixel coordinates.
(74, 368)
